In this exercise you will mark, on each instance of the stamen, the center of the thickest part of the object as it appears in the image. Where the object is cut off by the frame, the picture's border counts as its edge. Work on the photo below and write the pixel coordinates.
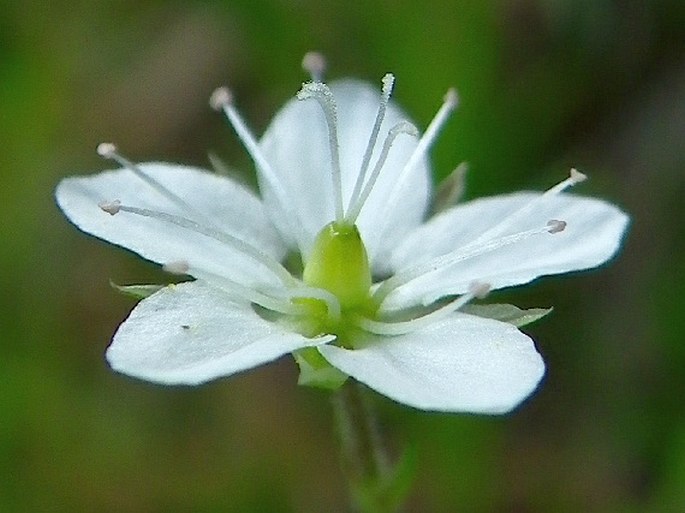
(575, 177)
(556, 226)
(220, 167)
(111, 207)
(246, 293)
(222, 100)
(237, 244)
(450, 102)
(388, 83)
(283, 303)
(314, 63)
(177, 267)
(450, 190)
(403, 127)
(476, 290)
(467, 252)
(329, 299)
(479, 290)
(322, 94)
(106, 150)
(109, 151)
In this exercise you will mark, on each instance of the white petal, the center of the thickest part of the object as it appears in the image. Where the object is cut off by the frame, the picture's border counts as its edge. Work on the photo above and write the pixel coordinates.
(191, 333)
(296, 145)
(461, 364)
(216, 200)
(592, 236)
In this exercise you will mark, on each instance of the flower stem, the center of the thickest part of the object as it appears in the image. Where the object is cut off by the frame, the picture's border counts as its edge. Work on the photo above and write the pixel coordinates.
(374, 485)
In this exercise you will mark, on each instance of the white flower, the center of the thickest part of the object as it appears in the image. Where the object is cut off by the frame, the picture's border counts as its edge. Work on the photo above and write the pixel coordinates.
(342, 175)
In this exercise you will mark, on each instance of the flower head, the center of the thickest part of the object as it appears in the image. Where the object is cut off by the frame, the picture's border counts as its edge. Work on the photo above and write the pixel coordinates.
(383, 296)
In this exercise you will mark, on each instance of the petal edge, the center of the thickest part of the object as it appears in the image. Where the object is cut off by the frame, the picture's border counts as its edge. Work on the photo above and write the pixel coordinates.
(462, 364)
(191, 333)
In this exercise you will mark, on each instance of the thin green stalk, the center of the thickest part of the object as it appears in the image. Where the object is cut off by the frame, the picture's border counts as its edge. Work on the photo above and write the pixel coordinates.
(375, 485)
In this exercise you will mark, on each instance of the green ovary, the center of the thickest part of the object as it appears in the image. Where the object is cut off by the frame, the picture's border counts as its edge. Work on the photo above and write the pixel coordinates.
(339, 264)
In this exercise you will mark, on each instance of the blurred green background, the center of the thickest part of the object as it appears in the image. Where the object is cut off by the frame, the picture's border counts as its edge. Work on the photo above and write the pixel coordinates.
(545, 84)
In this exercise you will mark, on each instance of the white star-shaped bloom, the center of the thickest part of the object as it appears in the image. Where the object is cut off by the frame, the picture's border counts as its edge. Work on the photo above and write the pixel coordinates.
(345, 183)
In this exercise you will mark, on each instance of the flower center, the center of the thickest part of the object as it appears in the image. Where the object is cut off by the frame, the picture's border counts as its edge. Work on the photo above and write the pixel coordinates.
(338, 263)
(336, 294)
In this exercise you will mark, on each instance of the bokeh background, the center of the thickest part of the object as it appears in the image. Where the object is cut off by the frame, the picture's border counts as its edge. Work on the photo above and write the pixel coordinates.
(545, 84)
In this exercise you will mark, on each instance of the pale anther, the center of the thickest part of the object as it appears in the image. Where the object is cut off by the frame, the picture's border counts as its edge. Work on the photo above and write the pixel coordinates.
(220, 98)
(177, 267)
(577, 176)
(556, 226)
(314, 63)
(106, 150)
(451, 98)
(479, 289)
(111, 207)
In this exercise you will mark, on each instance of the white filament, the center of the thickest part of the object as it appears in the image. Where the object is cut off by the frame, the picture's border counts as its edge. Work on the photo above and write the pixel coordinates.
(109, 151)
(328, 298)
(239, 245)
(222, 100)
(248, 294)
(437, 123)
(467, 252)
(390, 328)
(277, 300)
(450, 102)
(574, 178)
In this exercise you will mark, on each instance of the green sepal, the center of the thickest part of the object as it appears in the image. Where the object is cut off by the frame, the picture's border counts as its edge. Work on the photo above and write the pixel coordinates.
(507, 313)
(450, 190)
(221, 168)
(140, 291)
(315, 371)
